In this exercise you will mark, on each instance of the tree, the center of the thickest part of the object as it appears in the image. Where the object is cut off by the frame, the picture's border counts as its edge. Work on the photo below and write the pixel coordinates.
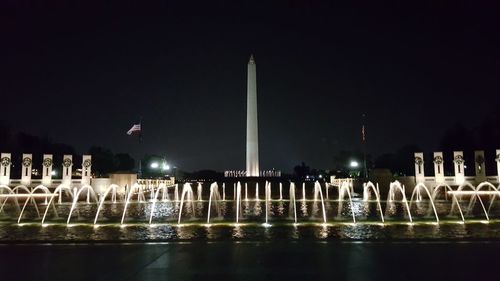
(301, 171)
(103, 161)
(124, 162)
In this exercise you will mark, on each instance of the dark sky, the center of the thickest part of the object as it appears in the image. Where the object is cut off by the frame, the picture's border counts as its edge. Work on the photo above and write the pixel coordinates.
(82, 74)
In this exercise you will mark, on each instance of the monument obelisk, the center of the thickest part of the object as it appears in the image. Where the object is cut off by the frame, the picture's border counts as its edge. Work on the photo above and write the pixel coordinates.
(252, 123)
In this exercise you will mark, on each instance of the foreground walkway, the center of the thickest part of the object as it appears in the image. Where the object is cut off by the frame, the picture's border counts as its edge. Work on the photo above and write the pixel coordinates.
(255, 261)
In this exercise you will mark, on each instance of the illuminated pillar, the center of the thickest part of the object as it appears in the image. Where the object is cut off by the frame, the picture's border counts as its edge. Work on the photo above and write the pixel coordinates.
(438, 167)
(86, 165)
(497, 158)
(479, 164)
(47, 170)
(67, 169)
(459, 163)
(26, 169)
(419, 167)
(5, 162)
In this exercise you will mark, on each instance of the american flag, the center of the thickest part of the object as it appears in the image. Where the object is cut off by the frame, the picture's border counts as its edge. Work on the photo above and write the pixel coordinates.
(136, 129)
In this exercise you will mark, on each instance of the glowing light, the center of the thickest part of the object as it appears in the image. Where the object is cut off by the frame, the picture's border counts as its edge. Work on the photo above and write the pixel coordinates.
(53, 173)
(154, 165)
(354, 164)
(485, 222)
(165, 167)
(45, 225)
(266, 225)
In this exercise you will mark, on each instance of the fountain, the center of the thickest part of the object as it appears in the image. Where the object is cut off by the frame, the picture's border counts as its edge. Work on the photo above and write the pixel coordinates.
(393, 188)
(293, 204)
(215, 198)
(366, 196)
(417, 193)
(344, 189)
(187, 196)
(422, 198)
(238, 202)
(317, 191)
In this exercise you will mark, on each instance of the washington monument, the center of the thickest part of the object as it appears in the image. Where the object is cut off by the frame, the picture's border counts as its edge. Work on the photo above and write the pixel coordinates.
(252, 123)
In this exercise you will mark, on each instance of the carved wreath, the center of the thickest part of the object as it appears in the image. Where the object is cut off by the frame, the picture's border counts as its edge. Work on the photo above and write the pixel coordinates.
(67, 162)
(419, 161)
(459, 159)
(87, 163)
(26, 161)
(5, 161)
(47, 162)
(479, 160)
(438, 160)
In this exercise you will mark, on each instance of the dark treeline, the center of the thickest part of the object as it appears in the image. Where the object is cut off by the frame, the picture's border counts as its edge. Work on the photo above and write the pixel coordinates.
(485, 136)
(103, 160)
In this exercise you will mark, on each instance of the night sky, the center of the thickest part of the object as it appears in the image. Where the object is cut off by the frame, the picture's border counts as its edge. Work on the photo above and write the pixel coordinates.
(83, 74)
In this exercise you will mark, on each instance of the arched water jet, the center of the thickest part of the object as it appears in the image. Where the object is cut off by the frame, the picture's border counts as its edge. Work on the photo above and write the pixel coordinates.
(366, 196)
(10, 191)
(176, 192)
(187, 191)
(215, 198)
(292, 201)
(112, 188)
(257, 198)
(416, 192)
(454, 200)
(396, 186)
(317, 191)
(478, 189)
(345, 188)
(200, 188)
(281, 191)
(267, 189)
(223, 191)
(164, 190)
(45, 192)
(57, 192)
(135, 188)
(90, 192)
(238, 201)
(493, 199)
(472, 199)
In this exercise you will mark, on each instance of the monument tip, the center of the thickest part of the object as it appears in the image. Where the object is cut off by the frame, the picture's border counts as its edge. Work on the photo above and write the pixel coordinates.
(251, 60)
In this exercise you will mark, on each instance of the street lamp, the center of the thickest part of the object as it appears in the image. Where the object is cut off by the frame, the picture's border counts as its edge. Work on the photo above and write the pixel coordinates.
(354, 164)
(154, 165)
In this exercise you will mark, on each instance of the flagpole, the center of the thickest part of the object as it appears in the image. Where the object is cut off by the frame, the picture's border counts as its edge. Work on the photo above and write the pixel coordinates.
(140, 145)
(363, 133)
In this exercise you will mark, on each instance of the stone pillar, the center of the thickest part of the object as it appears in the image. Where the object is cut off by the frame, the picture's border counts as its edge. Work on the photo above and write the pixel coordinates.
(479, 164)
(47, 169)
(419, 167)
(26, 169)
(252, 145)
(67, 169)
(86, 165)
(497, 158)
(459, 163)
(438, 167)
(5, 162)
